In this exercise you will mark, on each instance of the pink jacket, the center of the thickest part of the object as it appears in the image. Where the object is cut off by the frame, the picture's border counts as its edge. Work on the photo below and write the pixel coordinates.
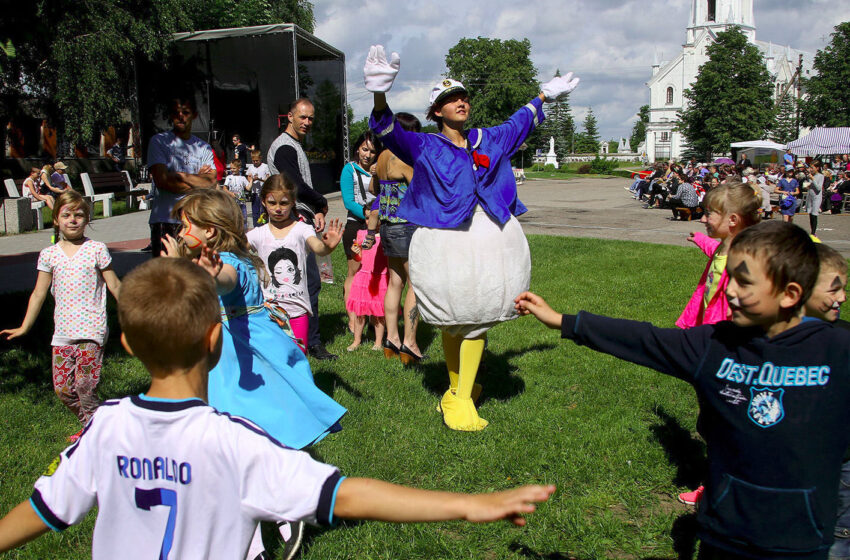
(717, 308)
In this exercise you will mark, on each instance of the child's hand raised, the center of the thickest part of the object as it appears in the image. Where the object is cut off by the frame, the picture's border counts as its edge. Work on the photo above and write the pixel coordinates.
(692, 237)
(209, 260)
(333, 235)
(508, 505)
(530, 303)
(172, 247)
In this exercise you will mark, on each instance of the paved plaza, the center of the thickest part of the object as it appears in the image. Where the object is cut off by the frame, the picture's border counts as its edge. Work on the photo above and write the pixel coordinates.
(579, 207)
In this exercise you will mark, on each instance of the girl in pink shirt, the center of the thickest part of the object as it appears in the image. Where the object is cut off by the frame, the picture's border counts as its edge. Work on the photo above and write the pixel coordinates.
(729, 209)
(75, 269)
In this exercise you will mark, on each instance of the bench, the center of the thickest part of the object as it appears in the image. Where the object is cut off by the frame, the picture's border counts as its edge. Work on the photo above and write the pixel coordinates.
(519, 176)
(12, 187)
(103, 187)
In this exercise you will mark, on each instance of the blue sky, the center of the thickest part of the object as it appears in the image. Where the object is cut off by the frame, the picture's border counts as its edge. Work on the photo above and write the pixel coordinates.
(610, 44)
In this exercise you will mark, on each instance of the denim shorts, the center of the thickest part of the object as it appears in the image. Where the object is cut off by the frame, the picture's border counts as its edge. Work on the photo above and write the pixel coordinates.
(395, 239)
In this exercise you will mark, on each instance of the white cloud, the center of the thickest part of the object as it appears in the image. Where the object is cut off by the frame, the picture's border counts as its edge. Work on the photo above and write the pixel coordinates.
(610, 44)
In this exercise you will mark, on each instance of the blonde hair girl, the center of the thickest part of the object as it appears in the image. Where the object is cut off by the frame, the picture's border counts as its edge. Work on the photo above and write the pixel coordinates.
(75, 269)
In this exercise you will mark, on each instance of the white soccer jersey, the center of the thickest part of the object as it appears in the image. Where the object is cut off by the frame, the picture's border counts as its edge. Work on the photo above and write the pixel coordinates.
(178, 479)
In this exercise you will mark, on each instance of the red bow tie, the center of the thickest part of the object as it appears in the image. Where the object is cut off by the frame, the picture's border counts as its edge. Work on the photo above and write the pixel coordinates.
(480, 160)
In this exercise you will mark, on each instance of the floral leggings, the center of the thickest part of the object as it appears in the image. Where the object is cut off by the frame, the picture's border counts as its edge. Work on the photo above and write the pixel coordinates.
(76, 371)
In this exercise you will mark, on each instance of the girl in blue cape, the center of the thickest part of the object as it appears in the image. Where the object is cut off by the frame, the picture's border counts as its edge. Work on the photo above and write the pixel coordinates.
(469, 258)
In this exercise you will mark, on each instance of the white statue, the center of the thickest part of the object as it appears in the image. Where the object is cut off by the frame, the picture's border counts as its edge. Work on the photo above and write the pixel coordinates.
(551, 145)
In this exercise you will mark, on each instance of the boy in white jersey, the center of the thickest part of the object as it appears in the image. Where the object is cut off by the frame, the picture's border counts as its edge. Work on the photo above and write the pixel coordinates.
(174, 478)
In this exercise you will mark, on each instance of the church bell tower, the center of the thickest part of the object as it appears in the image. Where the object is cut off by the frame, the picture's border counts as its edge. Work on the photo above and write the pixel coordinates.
(719, 15)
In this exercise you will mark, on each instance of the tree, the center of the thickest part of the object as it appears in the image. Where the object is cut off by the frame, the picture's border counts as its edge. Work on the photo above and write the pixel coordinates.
(732, 97)
(639, 129)
(498, 75)
(559, 124)
(827, 101)
(74, 60)
(216, 14)
(785, 128)
(588, 141)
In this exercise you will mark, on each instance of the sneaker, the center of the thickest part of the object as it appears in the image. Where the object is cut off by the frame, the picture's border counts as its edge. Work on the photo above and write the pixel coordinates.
(292, 534)
(75, 437)
(321, 353)
(692, 498)
(147, 249)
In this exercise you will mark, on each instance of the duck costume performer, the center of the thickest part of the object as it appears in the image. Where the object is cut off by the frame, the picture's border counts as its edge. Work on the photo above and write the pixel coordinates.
(469, 258)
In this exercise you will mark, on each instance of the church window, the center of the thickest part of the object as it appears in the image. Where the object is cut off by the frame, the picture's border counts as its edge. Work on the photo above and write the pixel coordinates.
(669, 96)
(665, 136)
(712, 10)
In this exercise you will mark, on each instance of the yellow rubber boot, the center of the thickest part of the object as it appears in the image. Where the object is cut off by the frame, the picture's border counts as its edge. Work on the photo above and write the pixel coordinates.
(458, 409)
(451, 349)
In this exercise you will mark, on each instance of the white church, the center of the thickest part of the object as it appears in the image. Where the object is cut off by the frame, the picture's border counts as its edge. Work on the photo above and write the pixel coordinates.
(671, 78)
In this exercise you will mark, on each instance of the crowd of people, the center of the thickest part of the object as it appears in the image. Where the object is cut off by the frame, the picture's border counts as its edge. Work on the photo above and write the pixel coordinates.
(817, 186)
(228, 315)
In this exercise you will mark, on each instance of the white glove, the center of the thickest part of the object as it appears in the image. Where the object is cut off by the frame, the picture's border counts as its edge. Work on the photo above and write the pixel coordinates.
(558, 86)
(378, 73)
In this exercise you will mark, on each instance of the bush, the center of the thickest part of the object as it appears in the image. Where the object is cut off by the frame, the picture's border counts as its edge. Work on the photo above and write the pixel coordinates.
(585, 169)
(549, 168)
(603, 166)
(563, 169)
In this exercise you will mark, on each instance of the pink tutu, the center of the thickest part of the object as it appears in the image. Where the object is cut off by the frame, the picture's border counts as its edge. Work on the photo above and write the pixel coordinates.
(370, 283)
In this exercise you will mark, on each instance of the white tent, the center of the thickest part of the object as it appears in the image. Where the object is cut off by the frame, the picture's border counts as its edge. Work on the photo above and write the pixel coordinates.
(765, 150)
(822, 141)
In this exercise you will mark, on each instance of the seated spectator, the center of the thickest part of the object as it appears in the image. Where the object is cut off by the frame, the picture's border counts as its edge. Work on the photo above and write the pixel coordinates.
(32, 189)
(684, 197)
(59, 179)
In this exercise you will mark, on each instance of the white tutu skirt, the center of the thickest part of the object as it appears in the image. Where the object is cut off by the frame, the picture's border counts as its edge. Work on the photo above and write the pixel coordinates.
(466, 278)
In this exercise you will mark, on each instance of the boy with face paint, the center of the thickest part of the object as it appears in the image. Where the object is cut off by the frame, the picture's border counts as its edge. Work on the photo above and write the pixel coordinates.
(825, 304)
(773, 390)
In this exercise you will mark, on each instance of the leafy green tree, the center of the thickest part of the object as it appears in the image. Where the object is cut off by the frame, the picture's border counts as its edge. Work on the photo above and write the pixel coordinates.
(74, 60)
(785, 128)
(732, 98)
(357, 128)
(588, 141)
(559, 124)
(827, 101)
(639, 128)
(498, 74)
(215, 14)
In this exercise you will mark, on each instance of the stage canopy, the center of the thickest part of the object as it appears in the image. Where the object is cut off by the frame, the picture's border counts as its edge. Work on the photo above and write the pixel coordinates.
(822, 142)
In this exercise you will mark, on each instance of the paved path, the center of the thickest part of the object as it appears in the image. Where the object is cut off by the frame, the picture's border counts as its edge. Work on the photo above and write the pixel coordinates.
(597, 208)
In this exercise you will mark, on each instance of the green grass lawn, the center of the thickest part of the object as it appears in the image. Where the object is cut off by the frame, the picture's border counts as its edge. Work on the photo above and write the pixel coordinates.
(618, 440)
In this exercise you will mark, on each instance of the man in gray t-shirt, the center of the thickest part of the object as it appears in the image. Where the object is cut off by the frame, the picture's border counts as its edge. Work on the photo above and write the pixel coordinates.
(178, 163)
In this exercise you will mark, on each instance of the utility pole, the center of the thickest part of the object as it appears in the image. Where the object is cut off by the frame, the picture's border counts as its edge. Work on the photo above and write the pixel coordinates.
(799, 76)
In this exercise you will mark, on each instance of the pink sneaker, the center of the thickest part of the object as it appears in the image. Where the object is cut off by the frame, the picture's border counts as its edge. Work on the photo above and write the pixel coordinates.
(75, 437)
(692, 498)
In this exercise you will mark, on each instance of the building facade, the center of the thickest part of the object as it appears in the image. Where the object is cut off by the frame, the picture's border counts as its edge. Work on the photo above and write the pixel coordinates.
(670, 78)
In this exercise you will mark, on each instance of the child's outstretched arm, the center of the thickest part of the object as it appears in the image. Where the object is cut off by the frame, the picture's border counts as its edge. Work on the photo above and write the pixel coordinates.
(365, 498)
(529, 303)
(20, 526)
(330, 239)
(42, 286)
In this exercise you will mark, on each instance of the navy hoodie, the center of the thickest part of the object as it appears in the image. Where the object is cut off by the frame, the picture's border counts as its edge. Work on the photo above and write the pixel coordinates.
(775, 416)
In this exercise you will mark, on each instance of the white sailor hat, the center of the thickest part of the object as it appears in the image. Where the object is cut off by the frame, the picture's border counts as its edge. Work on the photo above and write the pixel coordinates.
(445, 87)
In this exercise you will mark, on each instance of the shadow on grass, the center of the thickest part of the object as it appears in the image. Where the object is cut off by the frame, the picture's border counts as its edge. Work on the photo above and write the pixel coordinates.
(683, 450)
(496, 373)
(683, 533)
